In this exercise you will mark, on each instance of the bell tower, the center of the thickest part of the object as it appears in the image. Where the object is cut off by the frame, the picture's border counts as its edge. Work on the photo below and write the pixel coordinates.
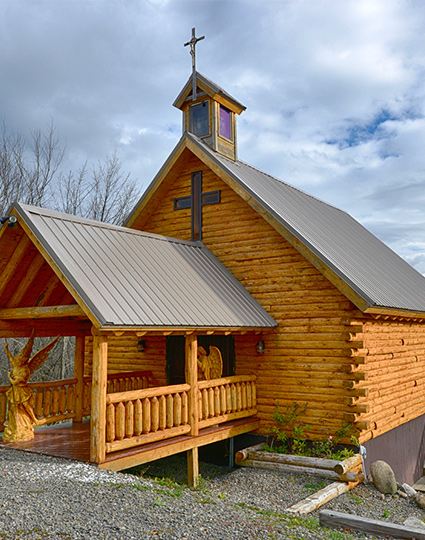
(209, 112)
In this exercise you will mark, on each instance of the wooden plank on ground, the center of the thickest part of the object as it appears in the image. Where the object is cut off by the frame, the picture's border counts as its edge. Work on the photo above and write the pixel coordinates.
(314, 501)
(329, 518)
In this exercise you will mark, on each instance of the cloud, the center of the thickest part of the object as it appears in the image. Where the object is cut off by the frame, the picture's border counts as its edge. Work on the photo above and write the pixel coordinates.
(334, 91)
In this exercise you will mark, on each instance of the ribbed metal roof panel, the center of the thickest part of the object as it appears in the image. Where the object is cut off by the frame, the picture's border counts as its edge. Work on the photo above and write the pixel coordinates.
(367, 265)
(130, 278)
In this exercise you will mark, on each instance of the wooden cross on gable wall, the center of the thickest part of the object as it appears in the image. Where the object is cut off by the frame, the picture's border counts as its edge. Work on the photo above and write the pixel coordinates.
(196, 201)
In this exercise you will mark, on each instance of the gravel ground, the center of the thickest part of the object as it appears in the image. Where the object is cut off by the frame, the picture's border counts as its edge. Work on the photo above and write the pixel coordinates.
(50, 498)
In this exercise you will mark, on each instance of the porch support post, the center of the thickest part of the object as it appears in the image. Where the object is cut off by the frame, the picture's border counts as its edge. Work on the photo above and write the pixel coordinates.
(98, 399)
(79, 375)
(193, 468)
(191, 373)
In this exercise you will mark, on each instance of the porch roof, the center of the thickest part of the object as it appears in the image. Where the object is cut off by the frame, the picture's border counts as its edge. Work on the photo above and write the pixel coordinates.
(128, 278)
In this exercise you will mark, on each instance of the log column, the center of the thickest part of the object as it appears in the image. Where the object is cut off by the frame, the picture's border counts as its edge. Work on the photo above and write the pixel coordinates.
(191, 372)
(79, 375)
(98, 398)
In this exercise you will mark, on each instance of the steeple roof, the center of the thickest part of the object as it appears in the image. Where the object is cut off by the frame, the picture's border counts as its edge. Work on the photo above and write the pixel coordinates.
(213, 90)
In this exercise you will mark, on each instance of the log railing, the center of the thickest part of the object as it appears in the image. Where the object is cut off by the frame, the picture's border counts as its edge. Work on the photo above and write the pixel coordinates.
(56, 400)
(143, 416)
(229, 398)
(118, 382)
(138, 417)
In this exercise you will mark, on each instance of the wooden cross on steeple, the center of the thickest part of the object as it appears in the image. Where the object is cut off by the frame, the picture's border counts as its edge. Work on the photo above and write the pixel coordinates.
(192, 44)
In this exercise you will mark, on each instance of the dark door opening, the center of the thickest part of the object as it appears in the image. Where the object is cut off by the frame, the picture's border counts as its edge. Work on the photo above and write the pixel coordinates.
(175, 355)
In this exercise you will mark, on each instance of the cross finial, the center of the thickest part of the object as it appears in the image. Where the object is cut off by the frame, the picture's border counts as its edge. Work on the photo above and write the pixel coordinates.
(192, 44)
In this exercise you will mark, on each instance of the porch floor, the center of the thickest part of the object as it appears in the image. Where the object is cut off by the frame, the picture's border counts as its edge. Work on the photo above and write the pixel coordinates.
(72, 441)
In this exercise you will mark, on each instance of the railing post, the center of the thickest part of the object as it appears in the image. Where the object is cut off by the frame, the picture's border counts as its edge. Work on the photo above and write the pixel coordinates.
(98, 399)
(79, 375)
(191, 372)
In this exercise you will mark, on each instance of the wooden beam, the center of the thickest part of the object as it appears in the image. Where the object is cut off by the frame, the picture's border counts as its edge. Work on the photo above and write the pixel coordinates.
(46, 312)
(98, 399)
(170, 447)
(26, 283)
(44, 327)
(329, 518)
(14, 262)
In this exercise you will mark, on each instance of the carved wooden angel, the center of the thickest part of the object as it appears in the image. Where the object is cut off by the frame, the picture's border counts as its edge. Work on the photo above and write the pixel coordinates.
(211, 366)
(21, 418)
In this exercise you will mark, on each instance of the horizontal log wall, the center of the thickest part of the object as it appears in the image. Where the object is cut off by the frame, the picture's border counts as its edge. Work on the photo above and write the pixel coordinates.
(394, 355)
(124, 356)
(308, 358)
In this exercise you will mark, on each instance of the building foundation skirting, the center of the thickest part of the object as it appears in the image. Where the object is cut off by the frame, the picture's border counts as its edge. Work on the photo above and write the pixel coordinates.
(403, 448)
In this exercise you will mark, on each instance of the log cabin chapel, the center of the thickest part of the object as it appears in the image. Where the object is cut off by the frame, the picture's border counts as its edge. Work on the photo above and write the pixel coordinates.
(302, 303)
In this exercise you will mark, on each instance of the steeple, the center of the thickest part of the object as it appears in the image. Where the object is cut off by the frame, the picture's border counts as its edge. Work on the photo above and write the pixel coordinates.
(209, 112)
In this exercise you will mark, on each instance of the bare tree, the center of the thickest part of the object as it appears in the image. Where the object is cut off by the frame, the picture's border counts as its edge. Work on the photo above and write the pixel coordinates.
(11, 183)
(73, 192)
(27, 169)
(30, 173)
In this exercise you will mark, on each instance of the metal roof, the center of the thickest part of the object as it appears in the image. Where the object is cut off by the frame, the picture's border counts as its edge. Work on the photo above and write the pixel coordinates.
(375, 272)
(130, 278)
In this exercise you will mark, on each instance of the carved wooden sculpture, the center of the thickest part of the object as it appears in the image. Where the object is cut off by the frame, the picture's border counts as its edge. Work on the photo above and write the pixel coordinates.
(21, 418)
(211, 366)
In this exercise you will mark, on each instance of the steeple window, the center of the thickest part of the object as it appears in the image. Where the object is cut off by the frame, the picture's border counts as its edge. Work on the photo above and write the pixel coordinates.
(225, 123)
(199, 119)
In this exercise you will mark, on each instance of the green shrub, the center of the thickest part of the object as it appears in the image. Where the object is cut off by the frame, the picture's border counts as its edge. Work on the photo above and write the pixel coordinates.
(290, 436)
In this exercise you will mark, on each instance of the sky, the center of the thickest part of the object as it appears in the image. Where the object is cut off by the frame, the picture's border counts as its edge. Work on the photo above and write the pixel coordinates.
(334, 91)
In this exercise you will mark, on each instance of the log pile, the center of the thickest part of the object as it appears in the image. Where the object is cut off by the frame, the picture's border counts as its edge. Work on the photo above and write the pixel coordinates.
(347, 473)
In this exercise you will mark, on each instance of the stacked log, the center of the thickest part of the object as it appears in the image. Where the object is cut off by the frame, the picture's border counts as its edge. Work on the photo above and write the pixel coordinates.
(347, 473)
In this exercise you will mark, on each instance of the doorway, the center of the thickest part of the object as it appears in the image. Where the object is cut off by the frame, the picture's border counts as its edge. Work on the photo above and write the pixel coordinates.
(175, 355)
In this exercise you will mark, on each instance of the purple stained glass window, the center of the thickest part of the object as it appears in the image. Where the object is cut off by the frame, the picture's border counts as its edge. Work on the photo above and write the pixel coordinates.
(225, 122)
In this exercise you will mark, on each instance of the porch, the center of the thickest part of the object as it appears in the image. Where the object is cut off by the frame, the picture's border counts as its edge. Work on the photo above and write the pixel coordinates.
(142, 422)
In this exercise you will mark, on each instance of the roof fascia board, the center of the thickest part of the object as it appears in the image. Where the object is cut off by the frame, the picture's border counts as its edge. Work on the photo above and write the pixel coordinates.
(157, 181)
(55, 264)
(347, 288)
(143, 330)
(394, 312)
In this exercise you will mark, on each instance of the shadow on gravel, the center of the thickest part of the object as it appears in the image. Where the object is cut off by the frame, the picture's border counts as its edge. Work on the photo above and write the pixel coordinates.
(175, 469)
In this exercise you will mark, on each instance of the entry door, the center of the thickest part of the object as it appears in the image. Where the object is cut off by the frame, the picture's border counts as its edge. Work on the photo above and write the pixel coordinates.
(175, 355)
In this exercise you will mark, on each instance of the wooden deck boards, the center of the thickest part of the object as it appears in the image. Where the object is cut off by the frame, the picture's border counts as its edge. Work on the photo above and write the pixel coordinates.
(66, 440)
(72, 441)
